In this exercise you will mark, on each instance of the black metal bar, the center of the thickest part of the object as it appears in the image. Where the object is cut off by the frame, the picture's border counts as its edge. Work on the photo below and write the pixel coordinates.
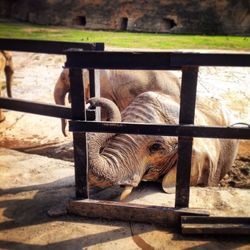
(215, 225)
(186, 116)
(183, 171)
(92, 82)
(119, 60)
(49, 47)
(95, 90)
(215, 219)
(205, 59)
(39, 108)
(36, 108)
(160, 129)
(79, 139)
(152, 60)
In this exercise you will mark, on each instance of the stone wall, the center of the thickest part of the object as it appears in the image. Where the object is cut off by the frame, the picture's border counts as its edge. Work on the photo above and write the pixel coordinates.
(161, 16)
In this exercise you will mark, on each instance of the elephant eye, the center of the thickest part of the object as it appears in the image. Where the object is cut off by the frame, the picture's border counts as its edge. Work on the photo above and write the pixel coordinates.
(155, 147)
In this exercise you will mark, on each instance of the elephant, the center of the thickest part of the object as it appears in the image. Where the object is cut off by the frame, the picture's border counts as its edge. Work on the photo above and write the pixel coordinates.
(6, 65)
(128, 159)
(120, 86)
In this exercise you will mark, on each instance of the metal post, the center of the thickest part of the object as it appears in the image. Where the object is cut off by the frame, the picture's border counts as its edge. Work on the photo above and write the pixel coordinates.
(79, 139)
(94, 81)
(187, 113)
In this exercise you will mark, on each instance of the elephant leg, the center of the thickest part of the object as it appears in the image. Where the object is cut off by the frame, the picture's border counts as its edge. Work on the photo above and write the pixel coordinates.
(9, 78)
(229, 150)
(2, 117)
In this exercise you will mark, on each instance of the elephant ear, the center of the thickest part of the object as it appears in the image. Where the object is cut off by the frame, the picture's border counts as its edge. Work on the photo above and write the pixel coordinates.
(205, 157)
(204, 170)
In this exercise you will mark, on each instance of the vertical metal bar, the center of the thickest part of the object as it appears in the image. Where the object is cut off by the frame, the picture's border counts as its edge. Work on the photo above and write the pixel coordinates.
(187, 113)
(79, 139)
(94, 81)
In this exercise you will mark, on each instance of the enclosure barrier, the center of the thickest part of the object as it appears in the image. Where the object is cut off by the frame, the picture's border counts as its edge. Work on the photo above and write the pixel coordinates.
(48, 47)
(188, 63)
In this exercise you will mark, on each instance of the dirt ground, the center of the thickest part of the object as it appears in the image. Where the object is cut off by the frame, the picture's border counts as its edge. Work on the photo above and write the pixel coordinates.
(37, 173)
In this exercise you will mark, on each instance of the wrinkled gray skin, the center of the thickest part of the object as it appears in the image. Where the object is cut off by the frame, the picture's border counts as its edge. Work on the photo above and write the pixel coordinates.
(123, 159)
(6, 65)
(120, 86)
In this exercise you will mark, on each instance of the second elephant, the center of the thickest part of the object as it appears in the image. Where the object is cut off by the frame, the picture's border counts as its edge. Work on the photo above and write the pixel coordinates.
(121, 86)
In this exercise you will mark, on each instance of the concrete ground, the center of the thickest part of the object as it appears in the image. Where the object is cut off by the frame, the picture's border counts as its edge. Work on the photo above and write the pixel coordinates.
(32, 184)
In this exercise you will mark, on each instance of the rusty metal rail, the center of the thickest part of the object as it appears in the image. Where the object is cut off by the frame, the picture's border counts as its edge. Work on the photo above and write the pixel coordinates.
(78, 58)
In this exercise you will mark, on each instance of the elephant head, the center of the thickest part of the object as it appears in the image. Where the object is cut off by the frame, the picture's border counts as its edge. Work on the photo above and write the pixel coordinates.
(120, 86)
(126, 159)
(62, 88)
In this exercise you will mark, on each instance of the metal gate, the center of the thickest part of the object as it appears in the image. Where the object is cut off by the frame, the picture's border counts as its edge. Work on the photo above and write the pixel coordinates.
(95, 58)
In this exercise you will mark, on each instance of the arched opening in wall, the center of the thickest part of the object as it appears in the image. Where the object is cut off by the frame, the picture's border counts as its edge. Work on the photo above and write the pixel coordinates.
(168, 24)
(124, 23)
(80, 20)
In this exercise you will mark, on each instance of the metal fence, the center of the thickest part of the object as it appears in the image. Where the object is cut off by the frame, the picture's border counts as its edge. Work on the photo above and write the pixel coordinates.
(91, 56)
(188, 63)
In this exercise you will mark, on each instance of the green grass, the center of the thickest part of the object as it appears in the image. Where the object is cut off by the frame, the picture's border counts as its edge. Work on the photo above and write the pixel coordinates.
(124, 39)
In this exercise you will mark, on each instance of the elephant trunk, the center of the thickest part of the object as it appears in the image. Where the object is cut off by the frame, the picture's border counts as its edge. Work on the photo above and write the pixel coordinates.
(102, 170)
(112, 111)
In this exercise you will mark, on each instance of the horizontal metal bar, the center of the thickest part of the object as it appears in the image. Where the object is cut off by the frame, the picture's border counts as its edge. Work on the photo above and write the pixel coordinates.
(130, 212)
(40, 108)
(49, 47)
(214, 219)
(205, 59)
(36, 108)
(160, 129)
(215, 225)
(152, 60)
(120, 60)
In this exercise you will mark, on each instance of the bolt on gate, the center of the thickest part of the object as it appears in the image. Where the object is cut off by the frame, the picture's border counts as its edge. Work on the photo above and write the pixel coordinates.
(92, 56)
